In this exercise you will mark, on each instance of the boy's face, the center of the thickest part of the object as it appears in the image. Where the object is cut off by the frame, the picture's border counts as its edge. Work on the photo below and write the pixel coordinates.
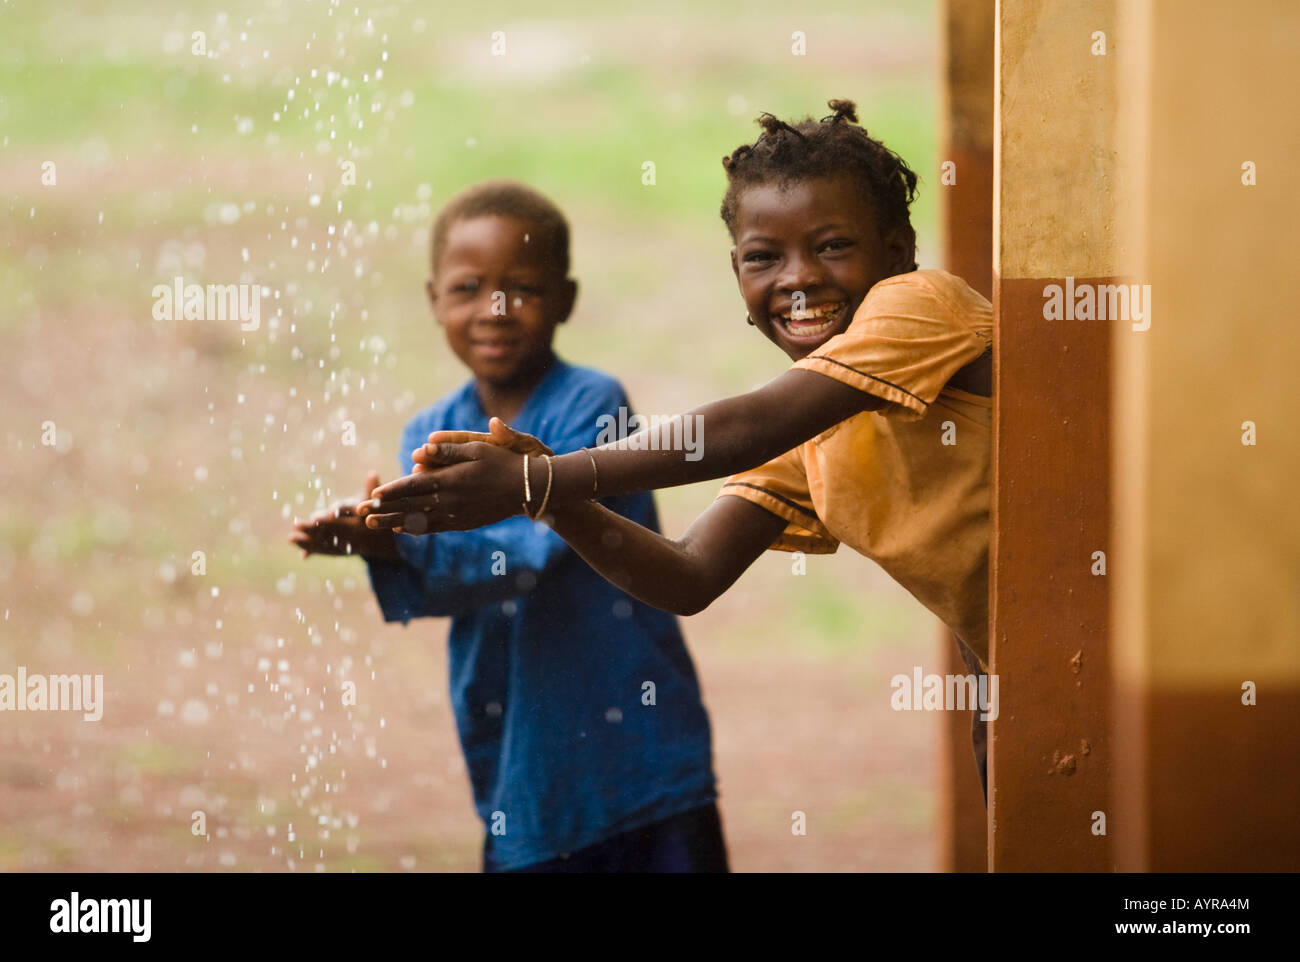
(498, 297)
(816, 236)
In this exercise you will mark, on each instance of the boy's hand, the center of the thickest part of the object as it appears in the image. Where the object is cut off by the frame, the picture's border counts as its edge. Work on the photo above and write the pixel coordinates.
(338, 530)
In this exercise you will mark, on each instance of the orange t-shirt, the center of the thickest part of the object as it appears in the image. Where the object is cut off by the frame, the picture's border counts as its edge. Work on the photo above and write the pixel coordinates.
(906, 485)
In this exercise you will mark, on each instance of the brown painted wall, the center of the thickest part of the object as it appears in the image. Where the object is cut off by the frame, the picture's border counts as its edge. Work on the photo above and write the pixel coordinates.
(968, 252)
(1055, 175)
(1051, 739)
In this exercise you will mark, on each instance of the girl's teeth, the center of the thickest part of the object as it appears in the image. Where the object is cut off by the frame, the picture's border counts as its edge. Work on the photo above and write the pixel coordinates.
(815, 312)
(814, 321)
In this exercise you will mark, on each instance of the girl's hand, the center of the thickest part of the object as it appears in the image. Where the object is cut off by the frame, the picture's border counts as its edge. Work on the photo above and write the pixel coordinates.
(476, 483)
(499, 433)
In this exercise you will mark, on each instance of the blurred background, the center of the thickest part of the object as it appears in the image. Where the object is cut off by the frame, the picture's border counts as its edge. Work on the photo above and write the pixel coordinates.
(174, 437)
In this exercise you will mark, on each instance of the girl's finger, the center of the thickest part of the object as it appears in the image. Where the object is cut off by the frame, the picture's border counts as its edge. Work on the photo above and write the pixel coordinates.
(428, 455)
(444, 454)
(419, 505)
(385, 520)
(458, 437)
(502, 433)
(411, 486)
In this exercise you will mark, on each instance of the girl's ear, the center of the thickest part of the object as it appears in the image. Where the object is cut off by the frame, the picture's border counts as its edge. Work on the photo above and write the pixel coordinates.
(900, 249)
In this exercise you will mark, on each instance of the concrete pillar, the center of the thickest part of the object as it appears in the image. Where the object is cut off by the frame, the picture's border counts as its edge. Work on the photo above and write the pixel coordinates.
(966, 190)
(1206, 568)
(1055, 170)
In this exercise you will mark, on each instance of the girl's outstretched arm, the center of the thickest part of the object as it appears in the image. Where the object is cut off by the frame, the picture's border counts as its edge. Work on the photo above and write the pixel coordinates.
(480, 483)
(682, 576)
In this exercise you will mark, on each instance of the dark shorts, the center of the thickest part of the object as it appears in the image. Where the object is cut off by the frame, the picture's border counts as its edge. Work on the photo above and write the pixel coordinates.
(689, 842)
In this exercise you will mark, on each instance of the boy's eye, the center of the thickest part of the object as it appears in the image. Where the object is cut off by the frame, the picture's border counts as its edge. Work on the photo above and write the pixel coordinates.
(465, 286)
(837, 245)
(754, 257)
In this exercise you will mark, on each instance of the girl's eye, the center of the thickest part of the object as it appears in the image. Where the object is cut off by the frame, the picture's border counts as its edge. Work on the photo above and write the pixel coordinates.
(754, 257)
(465, 286)
(837, 245)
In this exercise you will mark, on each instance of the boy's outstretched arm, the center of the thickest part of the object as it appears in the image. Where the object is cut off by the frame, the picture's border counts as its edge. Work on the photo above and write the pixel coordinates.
(481, 483)
(683, 576)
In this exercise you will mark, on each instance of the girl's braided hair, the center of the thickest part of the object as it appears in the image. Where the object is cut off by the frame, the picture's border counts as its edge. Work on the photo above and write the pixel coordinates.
(834, 145)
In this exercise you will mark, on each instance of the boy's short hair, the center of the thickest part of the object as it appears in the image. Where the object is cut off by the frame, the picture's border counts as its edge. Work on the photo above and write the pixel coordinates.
(506, 198)
(809, 148)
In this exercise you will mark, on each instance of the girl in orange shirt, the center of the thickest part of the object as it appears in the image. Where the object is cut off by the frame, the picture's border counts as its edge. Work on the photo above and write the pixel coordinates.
(878, 435)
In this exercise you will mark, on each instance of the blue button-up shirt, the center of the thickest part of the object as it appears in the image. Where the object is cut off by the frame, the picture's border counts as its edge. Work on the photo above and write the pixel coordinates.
(577, 706)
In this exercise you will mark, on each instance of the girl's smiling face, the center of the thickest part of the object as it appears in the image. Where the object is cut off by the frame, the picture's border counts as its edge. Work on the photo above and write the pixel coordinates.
(815, 236)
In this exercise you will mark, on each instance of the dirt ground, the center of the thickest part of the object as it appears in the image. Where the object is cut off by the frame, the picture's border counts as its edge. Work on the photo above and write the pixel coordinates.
(792, 733)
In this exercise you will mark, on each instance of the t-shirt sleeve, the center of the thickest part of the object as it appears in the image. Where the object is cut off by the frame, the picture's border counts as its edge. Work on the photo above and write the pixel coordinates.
(907, 339)
(781, 487)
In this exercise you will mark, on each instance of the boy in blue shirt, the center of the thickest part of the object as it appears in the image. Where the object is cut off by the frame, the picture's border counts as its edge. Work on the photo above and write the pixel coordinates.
(578, 709)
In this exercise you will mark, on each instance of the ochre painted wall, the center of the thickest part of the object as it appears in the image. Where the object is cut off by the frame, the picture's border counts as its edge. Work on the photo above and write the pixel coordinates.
(1206, 570)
